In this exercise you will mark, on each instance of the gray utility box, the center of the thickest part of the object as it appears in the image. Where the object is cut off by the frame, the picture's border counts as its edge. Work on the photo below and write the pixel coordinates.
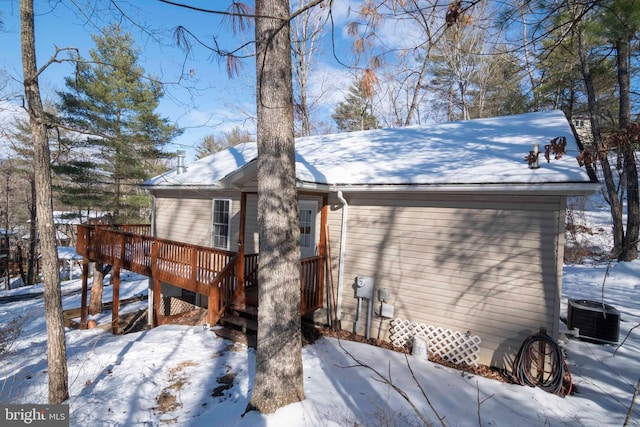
(364, 287)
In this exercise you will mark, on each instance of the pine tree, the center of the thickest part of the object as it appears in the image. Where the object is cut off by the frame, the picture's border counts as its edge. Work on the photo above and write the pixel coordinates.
(111, 100)
(207, 147)
(211, 145)
(354, 113)
(22, 146)
(499, 83)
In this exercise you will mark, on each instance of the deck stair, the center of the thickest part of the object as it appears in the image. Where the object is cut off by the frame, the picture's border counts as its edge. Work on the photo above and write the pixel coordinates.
(240, 324)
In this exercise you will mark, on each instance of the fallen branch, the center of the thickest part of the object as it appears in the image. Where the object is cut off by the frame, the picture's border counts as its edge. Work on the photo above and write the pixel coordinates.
(388, 381)
(633, 401)
(625, 339)
(480, 402)
(424, 393)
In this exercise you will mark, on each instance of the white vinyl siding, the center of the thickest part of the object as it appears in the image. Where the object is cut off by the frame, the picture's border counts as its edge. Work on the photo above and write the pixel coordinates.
(252, 230)
(484, 266)
(252, 239)
(190, 220)
(487, 264)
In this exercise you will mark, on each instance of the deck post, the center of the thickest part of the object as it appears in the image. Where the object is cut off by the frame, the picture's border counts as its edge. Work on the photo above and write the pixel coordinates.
(83, 302)
(212, 306)
(153, 262)
(240, 266)
(156, 303)
(194, 268)
(115, 311)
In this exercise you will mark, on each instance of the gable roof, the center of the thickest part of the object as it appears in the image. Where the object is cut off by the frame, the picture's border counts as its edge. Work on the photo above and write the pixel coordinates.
(474, 152)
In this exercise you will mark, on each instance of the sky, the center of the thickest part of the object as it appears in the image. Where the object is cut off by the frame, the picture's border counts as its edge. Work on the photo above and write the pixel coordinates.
(200, 97)
(187, 376)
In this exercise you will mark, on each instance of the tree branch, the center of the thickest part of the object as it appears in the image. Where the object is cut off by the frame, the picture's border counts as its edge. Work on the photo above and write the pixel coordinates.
(54, 59)
(246, 15)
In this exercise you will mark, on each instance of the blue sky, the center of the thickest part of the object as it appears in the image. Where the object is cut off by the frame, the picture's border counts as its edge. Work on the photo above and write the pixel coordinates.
(200, 97)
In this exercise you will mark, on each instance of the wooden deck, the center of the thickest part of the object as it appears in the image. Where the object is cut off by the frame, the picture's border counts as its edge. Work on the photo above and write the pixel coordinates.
(221, 276)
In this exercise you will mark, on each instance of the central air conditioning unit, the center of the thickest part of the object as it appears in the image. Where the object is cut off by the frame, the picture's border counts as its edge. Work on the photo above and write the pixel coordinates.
(594, 320)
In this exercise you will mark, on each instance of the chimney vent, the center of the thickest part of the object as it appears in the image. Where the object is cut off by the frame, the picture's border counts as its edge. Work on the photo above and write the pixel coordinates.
(180, 167)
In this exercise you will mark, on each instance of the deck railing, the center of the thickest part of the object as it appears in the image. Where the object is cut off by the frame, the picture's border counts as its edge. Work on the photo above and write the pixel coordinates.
(312, 279)
(251, 270)
(207, 271)
(187, 266)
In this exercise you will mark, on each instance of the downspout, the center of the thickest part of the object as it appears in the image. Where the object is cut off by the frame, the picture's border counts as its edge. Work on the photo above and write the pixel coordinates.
(153, 215)
(343, 243)
(150, 298)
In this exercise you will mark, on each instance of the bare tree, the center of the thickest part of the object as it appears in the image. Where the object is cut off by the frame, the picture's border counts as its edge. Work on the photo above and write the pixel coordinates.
(279, 379)
(592, 39)
(427, 20)
(56, 345)
(618, 26)
(306, 31)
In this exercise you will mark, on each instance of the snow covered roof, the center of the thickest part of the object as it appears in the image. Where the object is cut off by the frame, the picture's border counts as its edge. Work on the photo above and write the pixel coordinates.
(209, 170)
(75, 217)
(483, 151)
(68, 253)
(59, 236)
(9, 113)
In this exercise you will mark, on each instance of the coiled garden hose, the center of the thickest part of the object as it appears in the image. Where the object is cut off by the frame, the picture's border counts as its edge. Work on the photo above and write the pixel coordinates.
(537, 353)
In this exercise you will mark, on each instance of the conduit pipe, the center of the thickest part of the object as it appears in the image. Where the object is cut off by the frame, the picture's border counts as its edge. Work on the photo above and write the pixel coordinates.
(150, 287)
(343, 244)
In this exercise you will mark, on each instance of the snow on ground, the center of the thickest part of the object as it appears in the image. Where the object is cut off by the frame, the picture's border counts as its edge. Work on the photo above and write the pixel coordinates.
(186, 376)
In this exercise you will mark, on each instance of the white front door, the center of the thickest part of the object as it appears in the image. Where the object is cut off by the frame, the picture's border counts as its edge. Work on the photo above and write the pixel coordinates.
(307, 212)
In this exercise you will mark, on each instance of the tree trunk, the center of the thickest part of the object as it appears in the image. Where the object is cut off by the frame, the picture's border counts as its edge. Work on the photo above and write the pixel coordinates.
(615, 204)
(56, 345)
(629, 249)
(20, 261)
(32, 256)
(278, 379)
(413, 105)
(97, 287)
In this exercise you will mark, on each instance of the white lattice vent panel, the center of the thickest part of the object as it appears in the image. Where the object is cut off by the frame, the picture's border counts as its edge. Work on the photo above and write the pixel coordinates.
(452, 346)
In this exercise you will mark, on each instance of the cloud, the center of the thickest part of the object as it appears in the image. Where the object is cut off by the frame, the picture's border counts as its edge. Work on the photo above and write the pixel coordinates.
(330, 83)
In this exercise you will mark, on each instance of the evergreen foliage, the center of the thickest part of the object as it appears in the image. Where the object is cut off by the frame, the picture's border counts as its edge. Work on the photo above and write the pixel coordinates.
(354, 113)
(113, 103)
(211, 145)
(503, 93)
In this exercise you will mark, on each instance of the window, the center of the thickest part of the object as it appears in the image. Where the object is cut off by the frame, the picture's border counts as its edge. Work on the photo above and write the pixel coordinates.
(221, 227)
(306, 218)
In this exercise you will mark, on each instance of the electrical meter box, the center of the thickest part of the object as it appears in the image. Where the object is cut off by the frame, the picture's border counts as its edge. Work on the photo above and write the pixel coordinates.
(364, 287)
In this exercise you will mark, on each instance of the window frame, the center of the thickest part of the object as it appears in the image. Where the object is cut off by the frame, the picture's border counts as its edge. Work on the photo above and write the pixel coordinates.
(216, 224)
(312, 206)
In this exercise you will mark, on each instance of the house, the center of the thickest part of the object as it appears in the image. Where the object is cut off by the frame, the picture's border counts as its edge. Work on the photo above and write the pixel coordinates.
(66, 223)
(454, 227)
(582, 125)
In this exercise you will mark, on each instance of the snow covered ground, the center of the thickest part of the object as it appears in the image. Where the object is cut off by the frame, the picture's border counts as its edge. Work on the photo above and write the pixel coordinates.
(186, 376)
